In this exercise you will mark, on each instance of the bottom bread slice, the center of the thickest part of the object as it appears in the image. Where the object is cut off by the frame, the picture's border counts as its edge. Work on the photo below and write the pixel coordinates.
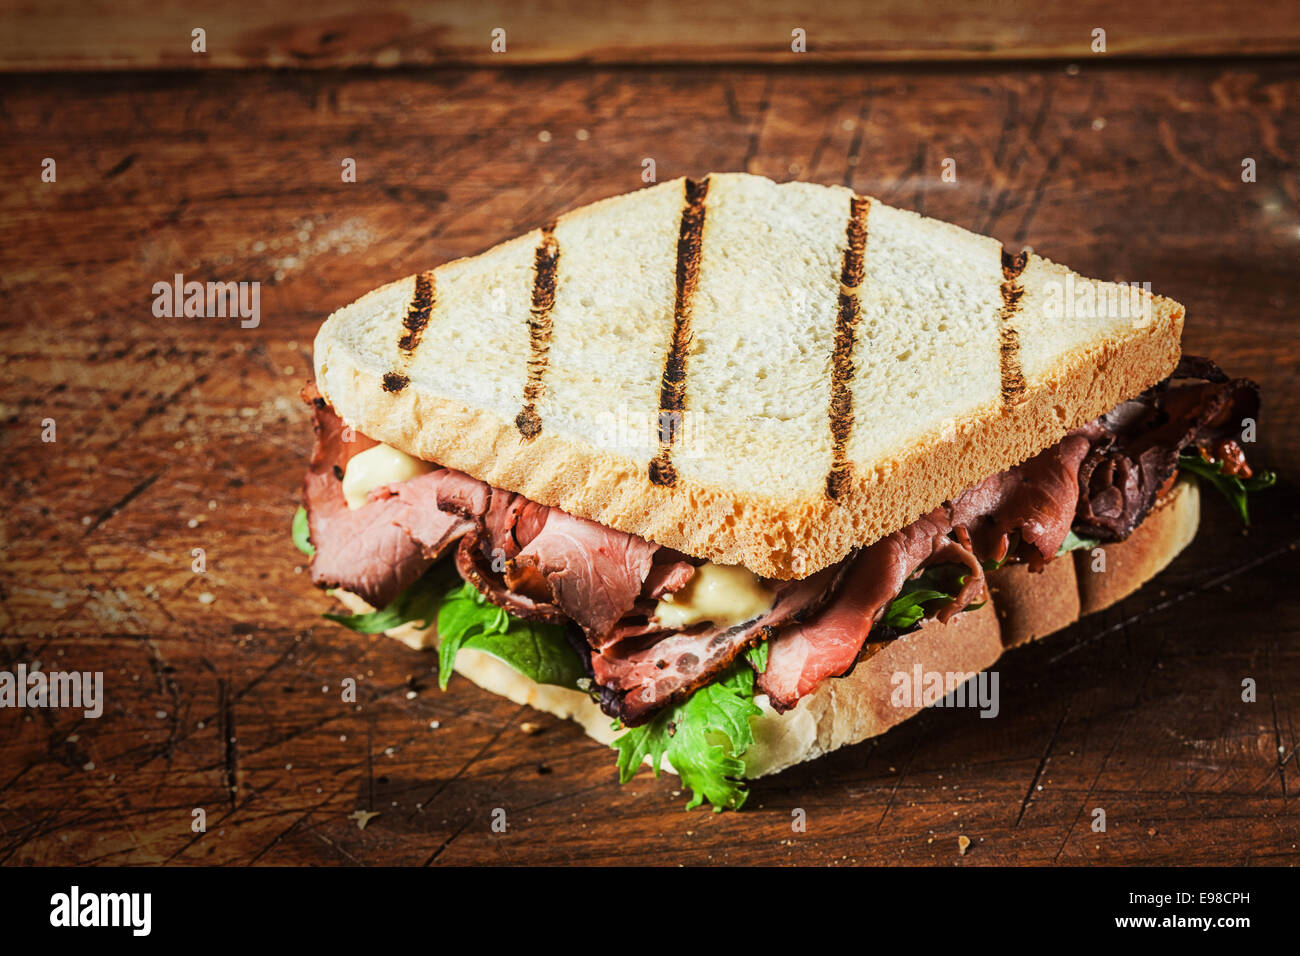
(845, 710)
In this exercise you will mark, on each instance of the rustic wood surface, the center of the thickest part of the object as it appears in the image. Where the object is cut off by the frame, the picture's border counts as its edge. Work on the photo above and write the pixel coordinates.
(149, 34)
(224, 687)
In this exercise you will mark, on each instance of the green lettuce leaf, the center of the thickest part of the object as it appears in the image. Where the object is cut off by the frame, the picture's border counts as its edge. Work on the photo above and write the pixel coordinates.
(301, 533)
(467, 619)
(924, 594)
(908, 608)
(705, 738)
(418, 604)
(536, 650)
(1232, 488)
(1074, 542)
(757, 656)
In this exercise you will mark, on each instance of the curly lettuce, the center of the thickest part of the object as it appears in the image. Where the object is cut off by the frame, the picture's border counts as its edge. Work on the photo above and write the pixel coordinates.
(705, 739)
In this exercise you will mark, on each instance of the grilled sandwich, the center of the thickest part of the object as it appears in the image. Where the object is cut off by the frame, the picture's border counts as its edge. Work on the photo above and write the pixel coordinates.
(715, 467)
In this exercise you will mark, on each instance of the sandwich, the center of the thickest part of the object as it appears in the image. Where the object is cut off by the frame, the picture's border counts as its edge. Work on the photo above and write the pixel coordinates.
(715, 467)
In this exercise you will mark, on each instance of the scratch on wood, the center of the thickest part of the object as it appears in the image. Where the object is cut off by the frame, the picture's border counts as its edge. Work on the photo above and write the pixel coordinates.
(897, 783)
(229, 742)
(447, 842)
(114, 509)
(425, 803)
(121, 167)
(1042, 764)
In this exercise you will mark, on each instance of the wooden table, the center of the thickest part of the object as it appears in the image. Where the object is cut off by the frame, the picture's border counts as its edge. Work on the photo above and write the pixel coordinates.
(223, 687)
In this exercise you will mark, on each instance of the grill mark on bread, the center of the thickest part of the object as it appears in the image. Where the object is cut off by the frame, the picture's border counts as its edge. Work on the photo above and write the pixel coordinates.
(672, 389)
(417, 313)
(1013, 377)
(545, 261)
(852, 273)
(417, 318)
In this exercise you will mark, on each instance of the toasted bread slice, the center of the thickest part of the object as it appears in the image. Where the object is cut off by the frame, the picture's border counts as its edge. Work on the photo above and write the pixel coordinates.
(850, 709)
(757, 374)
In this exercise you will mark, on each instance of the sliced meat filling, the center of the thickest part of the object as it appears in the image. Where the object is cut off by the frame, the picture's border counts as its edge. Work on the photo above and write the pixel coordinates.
(542, 563)
(362, 549)
(670, 572)
(415, 510)
(1133, 450)
(1035, 500)
(475, 566)
(643, 675)
(536, 562)
(593, 573)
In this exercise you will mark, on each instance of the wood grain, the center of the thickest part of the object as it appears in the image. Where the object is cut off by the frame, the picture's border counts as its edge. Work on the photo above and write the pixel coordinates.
(138, 34)
(174, 434)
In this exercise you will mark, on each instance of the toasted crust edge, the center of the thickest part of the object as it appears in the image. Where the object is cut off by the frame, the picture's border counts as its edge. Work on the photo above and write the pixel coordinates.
(851, 709)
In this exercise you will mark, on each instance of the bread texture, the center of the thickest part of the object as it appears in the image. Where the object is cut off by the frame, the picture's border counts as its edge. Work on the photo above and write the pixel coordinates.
(847, 710)
(753, 373)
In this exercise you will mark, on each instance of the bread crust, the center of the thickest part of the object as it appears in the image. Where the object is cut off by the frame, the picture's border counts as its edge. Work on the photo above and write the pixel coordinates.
(772, 531)
(850, 709)
(1032, 605)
